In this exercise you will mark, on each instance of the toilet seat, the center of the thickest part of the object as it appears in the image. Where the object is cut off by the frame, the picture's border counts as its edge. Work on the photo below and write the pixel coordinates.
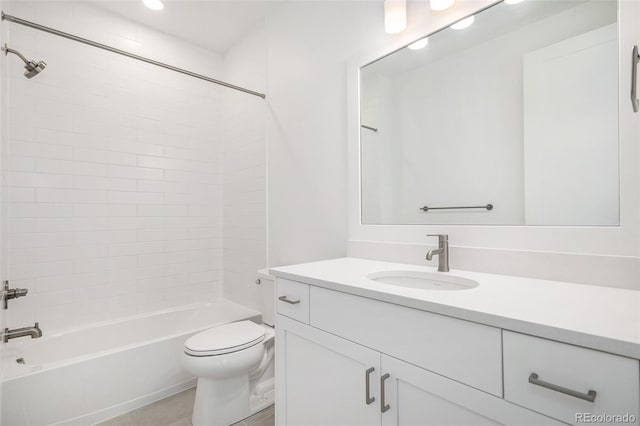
(225, 339)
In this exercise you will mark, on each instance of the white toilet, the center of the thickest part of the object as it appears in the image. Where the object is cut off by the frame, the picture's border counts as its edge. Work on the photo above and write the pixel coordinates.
(231, 362)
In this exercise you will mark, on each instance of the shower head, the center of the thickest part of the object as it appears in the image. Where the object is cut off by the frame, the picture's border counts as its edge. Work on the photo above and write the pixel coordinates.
(32, 67)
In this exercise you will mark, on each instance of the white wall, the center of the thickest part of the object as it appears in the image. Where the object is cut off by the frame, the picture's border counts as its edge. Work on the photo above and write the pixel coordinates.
(244, 170)
(309, 44)
(115, 171)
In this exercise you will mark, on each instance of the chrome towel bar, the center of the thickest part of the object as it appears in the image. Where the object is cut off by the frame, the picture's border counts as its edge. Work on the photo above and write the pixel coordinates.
(427, 208)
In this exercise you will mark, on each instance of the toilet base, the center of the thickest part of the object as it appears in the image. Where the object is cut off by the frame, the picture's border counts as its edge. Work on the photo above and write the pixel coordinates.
(221, 402)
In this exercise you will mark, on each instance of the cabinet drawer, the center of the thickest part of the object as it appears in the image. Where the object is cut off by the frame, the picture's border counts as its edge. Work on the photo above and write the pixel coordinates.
(467, 352)
(292, 299)
(557, 379)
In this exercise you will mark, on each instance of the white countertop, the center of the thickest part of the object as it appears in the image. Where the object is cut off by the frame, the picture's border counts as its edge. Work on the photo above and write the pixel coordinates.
(596, 317)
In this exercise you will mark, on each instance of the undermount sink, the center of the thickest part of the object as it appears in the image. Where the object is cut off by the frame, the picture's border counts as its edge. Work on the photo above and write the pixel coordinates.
(423, 280)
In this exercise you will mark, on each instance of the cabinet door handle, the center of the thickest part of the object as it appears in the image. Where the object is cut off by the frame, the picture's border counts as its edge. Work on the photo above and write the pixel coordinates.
(635, 59)
(367, 385)
(291, 302)
(384, 407)
(589, 396)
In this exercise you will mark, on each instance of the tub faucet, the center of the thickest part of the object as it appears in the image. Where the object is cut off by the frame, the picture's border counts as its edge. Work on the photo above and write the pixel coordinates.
(34, 332)
(442, 252)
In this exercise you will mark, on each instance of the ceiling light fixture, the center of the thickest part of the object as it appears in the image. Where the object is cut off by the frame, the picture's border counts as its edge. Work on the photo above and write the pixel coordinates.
(395, 16)
(465, 23)
(513, 1)
(153, 4)
(440, 4)
(420, 44)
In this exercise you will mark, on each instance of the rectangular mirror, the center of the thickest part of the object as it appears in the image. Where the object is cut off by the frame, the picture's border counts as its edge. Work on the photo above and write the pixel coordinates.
(511, 120)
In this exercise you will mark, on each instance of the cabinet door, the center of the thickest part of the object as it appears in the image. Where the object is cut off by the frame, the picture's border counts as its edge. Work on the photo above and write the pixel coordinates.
(419, 397)
(321, 379)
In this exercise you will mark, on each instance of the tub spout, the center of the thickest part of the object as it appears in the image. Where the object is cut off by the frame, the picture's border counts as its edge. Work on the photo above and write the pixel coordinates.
(34, 332)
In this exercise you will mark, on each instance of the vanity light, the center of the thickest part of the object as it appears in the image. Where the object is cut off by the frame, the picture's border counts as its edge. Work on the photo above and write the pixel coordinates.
(440, 4)
(153, 4)
(395, 16)
(465, 23)
(420, 44)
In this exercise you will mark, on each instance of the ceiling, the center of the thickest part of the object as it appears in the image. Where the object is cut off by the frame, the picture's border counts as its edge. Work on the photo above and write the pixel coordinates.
(213, 24)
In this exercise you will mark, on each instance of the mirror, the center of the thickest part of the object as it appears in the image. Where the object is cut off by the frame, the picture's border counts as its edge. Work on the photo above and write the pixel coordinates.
(512, 120)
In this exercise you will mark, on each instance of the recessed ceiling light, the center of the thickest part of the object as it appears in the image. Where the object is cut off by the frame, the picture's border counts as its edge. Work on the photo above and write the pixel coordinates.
(513, 1)
(153, 4)
(465, 23)
(440, 4)
(420, 44)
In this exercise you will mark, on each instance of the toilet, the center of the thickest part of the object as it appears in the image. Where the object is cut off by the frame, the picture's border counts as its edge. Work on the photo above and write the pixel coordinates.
(234, 365)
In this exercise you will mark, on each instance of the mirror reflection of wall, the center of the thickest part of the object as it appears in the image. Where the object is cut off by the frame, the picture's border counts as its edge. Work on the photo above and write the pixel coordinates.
(518, 110)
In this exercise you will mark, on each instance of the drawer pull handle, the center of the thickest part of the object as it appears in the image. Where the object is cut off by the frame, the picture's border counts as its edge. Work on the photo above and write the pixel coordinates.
(291, 302)
(367, 382)
(384, 407)
(589, 396)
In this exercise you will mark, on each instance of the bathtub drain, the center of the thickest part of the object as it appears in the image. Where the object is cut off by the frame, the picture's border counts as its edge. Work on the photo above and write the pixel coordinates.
(20, 360)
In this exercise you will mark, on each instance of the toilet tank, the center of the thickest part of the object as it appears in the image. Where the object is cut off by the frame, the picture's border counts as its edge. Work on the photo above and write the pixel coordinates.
(267, 288)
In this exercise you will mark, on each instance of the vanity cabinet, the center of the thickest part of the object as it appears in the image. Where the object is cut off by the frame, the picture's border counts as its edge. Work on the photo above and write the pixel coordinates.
(293, 300)
(569, 382)
(322, 379)
(339, 370)
(468, 352)
(416, 396)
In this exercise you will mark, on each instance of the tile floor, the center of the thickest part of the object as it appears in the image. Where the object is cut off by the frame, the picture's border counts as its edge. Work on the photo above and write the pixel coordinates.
(176, 411)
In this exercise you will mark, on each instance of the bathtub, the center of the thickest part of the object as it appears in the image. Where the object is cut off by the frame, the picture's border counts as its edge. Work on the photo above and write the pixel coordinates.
(89, 374)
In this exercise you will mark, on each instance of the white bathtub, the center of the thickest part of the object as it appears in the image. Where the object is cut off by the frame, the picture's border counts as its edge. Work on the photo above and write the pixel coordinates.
(89, 374)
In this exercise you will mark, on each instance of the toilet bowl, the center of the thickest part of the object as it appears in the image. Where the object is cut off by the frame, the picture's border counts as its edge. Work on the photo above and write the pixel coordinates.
(231, 362)
(223, 358)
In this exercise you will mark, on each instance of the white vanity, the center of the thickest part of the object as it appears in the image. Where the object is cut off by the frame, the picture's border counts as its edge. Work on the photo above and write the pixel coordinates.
(514, 136)
(352, 350)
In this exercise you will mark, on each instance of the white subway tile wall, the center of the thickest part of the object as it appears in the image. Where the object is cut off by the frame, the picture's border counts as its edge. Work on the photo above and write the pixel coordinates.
(245, 169)
(114, 171)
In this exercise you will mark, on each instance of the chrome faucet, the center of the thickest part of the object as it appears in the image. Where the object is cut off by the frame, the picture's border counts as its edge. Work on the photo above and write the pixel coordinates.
(34, 332)
(442, 252)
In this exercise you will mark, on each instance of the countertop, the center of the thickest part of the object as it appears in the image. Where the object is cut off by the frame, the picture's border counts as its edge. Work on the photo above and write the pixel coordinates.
(596, 317)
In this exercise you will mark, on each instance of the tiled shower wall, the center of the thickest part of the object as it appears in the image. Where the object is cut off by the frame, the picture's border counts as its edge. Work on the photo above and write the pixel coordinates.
(115, 171)
(244, 164)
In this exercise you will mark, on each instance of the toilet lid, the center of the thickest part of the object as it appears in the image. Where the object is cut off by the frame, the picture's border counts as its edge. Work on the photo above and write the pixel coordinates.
(224, 339)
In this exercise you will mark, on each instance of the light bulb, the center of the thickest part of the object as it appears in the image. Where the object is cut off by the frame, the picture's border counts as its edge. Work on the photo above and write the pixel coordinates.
(465, 23)
(420, 44)
(153, 4)
(440, 4)
(395, 16)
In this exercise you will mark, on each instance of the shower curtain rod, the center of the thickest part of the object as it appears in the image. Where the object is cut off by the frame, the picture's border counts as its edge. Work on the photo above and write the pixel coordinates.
(53, 31)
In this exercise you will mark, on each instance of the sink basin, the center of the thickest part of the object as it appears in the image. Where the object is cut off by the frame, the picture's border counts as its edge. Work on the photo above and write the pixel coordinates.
(423, 280)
